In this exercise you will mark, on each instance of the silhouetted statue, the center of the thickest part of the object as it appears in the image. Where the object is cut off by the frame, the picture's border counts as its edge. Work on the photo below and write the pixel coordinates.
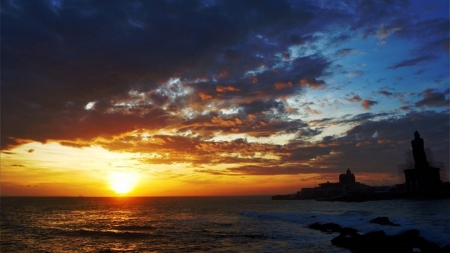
(418, 150)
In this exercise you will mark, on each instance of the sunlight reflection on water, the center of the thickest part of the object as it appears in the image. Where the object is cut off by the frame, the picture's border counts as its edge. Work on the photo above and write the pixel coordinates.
(221, 224)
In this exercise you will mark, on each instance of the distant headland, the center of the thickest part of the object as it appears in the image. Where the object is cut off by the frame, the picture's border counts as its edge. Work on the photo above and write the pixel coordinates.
(422, 181)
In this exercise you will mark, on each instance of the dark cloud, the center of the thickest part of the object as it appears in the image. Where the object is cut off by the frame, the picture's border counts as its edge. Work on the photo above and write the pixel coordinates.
(433, 98)
(362, 117)
(386, 93)
(405, 108)
(18, 165)
(56, 61)
(412, 62)
(378, 146)
(120, 74)
(393, 139)
(269, 170)
(419, 72)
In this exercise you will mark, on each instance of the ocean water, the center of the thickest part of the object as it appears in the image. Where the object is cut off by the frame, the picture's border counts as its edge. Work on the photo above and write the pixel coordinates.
(202, 224)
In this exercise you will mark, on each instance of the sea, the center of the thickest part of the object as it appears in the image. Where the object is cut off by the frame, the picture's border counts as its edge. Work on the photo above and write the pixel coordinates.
(203, 224)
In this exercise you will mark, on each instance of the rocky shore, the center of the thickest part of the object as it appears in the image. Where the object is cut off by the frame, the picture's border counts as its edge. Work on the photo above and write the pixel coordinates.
(407, 241)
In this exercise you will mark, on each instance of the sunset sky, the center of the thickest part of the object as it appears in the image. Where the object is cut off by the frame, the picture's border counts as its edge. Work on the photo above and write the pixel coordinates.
(215, 97)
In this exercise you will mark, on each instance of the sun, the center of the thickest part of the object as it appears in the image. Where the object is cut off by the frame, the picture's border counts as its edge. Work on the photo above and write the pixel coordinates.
(122, 182)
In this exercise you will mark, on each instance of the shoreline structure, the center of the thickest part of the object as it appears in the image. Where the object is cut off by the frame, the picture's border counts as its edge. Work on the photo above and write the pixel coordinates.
(422, 181)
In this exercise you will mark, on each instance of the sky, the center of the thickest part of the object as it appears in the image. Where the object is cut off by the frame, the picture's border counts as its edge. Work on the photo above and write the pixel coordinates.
(215, 97)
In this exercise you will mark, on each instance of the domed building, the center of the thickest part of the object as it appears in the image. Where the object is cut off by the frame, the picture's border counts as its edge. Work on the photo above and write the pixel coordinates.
(347, 179)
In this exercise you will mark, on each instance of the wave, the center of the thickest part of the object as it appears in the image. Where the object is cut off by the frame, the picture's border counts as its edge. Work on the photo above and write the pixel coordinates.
(105, 233)
(134, 228)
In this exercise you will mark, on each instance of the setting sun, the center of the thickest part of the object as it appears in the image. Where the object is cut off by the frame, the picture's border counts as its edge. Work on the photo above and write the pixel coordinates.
(122, 182)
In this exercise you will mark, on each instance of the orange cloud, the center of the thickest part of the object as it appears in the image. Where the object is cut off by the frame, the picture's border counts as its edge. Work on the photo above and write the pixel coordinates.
(227, 123)
(363, 143)
(291, 110)
(313, 83)
(367, 104)
(384, 141)
(280, 85)
(204, 96)
(223, 74)
(221, 88)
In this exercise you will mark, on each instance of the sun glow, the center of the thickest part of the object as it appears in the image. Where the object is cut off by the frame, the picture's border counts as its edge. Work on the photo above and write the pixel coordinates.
(122, 182)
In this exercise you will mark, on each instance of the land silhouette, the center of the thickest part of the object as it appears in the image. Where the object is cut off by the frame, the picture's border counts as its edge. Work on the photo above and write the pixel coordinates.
(422, 180)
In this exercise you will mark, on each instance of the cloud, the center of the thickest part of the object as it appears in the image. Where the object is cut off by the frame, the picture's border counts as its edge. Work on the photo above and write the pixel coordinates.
(405, 108)
(79, 79)
(227, 123)
(219, 82)
(360, 149)
(280, 85)
(433, 98)
(345, 51)
(355, 98)
(384, 32)
(355, 73)
(269, 170)
(386, 93)
(312, 83)
(312, 111)
(419, 72)
(367, 104)
(229, 88)
(412, 62)
(204, 96)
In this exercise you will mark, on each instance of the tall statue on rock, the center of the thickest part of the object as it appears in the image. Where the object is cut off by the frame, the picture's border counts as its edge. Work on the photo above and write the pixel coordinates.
(418, 150)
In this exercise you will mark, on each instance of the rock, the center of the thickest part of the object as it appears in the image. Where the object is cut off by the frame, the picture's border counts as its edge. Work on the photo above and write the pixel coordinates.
(407, 241)
(326, 227)
(426, 246)
(348, 231)
(346, 238)
(377, 241)
(383, 221)
(331, 227)
(412, 233)
(315, 226)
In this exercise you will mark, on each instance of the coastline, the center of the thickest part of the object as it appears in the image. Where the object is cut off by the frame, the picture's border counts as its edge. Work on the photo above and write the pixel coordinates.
(442, 192)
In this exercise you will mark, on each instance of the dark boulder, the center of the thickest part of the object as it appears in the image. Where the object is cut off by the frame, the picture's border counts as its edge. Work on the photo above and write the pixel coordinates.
(348, 231)
(383, 221)
(377, 241)
(315, 226)
(326, 227)
(408, 241)
(346, 238)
